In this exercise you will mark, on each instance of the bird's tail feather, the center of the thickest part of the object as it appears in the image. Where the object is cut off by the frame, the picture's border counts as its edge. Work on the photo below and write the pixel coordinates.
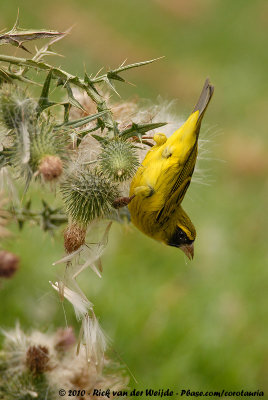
(204, 99)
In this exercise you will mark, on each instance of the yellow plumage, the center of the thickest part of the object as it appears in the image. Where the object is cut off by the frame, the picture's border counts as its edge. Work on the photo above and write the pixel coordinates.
(162, 180)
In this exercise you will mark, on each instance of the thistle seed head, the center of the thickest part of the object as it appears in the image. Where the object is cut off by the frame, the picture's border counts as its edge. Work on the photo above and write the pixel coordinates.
(50, 168)
(74, 237)
(37, 358)
(9, 263)
(118, 159)
(88, 194)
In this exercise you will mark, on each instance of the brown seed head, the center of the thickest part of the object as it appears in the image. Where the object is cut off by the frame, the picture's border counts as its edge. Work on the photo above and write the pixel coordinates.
(74, 237)
(50, 168)
(9, 263)
(37, 359)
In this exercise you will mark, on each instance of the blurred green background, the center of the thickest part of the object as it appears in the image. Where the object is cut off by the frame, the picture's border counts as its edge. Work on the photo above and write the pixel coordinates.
(199, 325)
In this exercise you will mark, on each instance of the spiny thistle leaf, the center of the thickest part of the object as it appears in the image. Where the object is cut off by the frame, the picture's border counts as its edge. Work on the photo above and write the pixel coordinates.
(44, 102)
(72, 99)
(113, 74)
(18, 36)
(82, 121)
(118, 159)
(87, 195)
(7, 76)
(139, 129)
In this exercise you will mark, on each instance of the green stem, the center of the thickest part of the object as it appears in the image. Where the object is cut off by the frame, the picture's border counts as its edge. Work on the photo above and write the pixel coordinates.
(66, 77)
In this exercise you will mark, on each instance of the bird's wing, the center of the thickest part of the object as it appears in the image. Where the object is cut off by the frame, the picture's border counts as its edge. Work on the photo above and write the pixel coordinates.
(185, 172)
(172, 204)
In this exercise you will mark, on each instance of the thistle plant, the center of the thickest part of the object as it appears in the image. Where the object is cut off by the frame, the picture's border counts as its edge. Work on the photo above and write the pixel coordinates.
(85, 148)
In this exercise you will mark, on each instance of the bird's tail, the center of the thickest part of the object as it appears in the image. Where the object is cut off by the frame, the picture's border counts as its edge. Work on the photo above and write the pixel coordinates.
(204, 100)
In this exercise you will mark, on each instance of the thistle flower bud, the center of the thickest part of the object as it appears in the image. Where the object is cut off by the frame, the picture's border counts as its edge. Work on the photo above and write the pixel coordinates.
(88, 194)
(48, 150)
(50, 168)
(9, 263)
(118, 159)
(37, 358)
(15, 106)
(74, 237)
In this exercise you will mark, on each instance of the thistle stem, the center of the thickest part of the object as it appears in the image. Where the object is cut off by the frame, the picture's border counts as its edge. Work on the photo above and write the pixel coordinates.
(108, 120)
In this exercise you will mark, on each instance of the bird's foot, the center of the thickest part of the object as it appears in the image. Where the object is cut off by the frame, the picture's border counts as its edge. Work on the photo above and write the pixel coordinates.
(160, 139)
(143, 191)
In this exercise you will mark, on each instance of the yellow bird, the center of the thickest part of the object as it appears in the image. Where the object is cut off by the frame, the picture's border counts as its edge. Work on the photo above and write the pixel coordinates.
(160, 183)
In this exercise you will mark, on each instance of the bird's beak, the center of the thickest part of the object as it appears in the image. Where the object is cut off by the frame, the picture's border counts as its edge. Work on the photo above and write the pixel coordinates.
(188, 250)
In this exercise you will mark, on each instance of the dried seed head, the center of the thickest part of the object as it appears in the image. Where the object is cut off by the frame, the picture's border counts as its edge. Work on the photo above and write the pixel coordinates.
(118, 159)
(88, 194)
(65, 338)
(74, 237)
(9, 263)
(37, 358)
(50, 168)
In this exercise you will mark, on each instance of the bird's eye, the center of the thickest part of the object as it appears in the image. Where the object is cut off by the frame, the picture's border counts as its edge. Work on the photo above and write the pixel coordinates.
(179, 238)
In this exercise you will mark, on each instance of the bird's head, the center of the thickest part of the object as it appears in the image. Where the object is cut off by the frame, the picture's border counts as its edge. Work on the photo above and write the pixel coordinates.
(184, 235)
